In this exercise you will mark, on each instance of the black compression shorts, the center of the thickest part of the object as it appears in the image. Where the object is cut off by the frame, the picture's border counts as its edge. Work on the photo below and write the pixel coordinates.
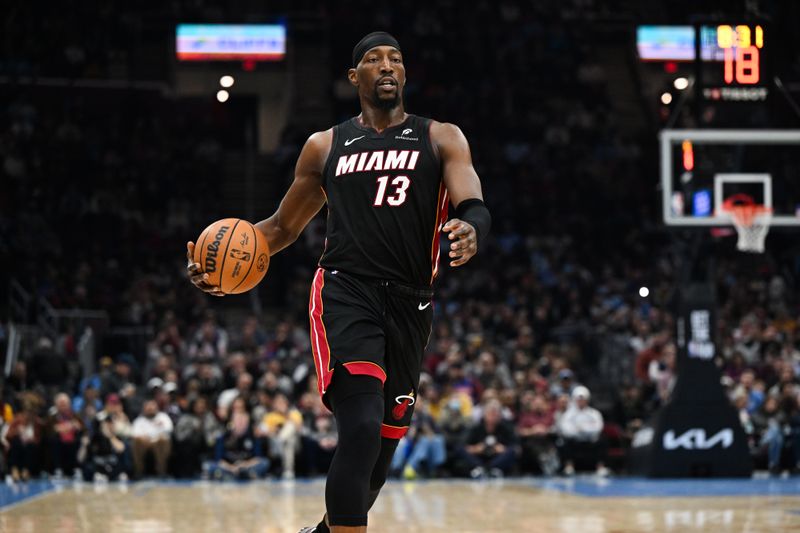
(375, 328)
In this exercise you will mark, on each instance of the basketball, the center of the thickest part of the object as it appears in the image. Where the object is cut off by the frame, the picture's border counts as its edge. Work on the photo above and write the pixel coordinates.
(233, 253)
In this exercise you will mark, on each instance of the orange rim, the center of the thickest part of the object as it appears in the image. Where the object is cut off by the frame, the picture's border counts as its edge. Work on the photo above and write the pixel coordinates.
(743, 209)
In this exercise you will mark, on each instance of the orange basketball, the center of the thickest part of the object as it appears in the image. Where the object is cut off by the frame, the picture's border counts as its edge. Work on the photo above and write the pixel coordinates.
(233, 253)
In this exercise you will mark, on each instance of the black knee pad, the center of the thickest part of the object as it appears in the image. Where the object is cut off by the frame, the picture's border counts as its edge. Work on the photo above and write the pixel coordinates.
(358, 407)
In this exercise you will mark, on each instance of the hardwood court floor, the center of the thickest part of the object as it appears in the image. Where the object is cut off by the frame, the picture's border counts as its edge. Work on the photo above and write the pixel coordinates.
(583, 506)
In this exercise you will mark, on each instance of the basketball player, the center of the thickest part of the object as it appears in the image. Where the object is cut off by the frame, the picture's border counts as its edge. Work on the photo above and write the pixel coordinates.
(387, 177)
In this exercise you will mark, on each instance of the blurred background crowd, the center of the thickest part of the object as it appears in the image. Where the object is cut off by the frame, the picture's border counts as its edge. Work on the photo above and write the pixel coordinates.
(544, 357)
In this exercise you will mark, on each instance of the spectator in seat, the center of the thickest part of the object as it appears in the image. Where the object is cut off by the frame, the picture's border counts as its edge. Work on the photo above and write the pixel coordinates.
(460, 382)
(6, 416)
(89, 396)
(662, 372)
(565, 383)
(244, 386)
(66, 429)
(196, 434)
(452, 399)
(422, 449)
(238, 453)
(151, 434)
(122, 375)
(87, 405)
(121, 427)
(210, 340)
(535, 427)
(282, 426)
(235, 365)
(767, 431)
(319, 444)
(208, 375)
(755, 388)
(491, 444)
(452, 413)
(6, 410)
(24, 437)
(120, 423)
(102, 456)
(630, 410)
(580, 427)
(491, 373)
(95, 381)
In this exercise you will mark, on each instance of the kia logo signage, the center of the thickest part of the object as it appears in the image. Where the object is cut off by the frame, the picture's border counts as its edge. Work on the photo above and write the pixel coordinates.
(696, 439)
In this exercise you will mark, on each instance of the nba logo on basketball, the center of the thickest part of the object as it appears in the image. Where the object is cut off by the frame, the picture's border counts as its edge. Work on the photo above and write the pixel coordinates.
(403, 403)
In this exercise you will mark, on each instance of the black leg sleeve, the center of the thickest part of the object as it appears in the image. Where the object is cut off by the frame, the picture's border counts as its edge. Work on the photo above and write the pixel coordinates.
(381, 470)
(358, 408)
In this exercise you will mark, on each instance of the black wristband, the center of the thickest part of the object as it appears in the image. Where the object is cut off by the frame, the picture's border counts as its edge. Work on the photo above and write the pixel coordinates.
(473, 211)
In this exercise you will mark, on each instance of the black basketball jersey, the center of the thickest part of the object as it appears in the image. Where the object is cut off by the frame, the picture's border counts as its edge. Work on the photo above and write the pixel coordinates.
(386, 202)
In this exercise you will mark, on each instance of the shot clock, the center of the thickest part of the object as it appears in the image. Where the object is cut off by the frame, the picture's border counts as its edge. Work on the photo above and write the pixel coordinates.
(741, 54)
(731, 62)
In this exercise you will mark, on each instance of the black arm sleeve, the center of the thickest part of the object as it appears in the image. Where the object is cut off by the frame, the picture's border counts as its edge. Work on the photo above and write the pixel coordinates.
(473, 211)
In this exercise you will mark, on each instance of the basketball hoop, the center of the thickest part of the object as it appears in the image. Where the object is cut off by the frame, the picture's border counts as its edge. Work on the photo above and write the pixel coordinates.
(751, 221)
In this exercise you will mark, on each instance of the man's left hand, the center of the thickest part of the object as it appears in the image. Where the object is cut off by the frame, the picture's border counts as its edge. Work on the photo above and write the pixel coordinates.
(464, 241)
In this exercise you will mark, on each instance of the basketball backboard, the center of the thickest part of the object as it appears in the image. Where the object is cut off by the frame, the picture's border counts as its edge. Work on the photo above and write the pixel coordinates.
(700, 169)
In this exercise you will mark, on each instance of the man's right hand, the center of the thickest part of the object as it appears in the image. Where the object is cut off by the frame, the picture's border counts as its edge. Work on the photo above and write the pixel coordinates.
(197, 276)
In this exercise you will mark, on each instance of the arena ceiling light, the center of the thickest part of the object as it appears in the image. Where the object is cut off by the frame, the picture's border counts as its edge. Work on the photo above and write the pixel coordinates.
(226, 81)
(666, 98)
(644, 292)
(223, 95)
(681, 83)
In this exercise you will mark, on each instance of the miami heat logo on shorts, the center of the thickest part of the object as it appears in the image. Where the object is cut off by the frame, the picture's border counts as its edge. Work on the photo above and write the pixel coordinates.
(403, 403)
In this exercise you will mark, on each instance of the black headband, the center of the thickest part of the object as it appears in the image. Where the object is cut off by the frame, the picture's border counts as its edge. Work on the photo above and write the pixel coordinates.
(376, 38)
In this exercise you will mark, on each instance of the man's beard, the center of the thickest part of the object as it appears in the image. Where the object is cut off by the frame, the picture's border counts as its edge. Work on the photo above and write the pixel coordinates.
(386, 104)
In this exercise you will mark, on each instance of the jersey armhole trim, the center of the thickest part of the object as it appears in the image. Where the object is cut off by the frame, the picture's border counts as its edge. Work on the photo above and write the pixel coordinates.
(334, 136)
(429, 143)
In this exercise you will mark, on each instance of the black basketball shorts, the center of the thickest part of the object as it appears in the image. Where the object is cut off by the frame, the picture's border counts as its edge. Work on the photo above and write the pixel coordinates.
(374, 328)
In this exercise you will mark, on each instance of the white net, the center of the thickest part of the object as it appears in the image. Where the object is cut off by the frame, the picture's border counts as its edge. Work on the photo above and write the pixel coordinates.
(752, 224)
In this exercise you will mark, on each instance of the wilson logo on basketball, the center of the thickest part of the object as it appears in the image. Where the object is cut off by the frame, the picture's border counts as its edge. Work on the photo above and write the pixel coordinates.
(240, 255)
(403, 403)
(213, 248)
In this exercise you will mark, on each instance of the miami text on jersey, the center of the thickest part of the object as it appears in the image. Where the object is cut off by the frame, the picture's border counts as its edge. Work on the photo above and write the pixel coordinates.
(377, 160)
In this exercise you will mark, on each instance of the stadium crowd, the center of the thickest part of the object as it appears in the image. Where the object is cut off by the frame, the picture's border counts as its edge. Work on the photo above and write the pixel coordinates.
(512, 381)
(500, 395)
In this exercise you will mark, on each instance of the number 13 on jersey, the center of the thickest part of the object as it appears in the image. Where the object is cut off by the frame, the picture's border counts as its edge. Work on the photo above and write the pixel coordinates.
(398, 193)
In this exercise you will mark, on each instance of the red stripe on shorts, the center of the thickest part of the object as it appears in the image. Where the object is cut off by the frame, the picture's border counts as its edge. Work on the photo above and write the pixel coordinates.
(393, 432)
(319, 339)
(366, 368)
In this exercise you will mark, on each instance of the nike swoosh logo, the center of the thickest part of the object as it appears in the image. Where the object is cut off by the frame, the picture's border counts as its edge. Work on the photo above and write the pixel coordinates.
(348, 142)
(422, 307)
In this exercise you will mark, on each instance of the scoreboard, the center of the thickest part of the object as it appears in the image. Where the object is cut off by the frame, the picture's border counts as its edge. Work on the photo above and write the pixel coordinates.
(731, 62)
